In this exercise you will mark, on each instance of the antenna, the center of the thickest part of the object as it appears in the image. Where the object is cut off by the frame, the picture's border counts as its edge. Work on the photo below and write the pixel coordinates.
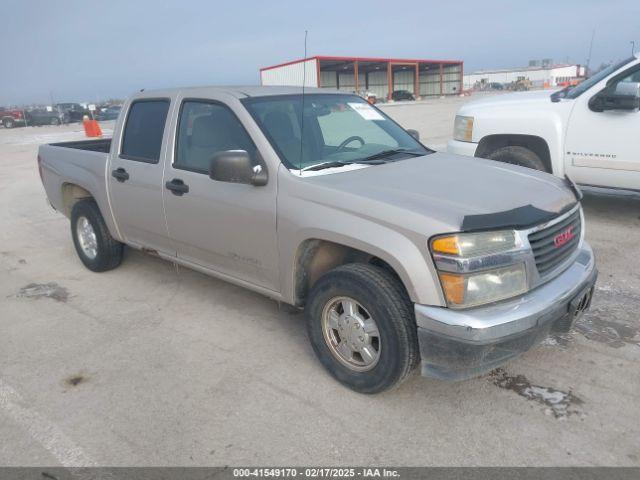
(593, 34)
(304, 81)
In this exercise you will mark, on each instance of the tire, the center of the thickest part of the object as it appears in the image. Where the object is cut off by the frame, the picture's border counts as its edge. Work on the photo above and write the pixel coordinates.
(107, 253)
(8, 123)
(54, 121)
(518, 156)
(381, 297)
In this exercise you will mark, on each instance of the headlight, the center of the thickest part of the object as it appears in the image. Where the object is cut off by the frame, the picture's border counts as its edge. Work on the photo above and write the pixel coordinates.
(477, 288)
(472, 244)
(479, 268)
(463, 128)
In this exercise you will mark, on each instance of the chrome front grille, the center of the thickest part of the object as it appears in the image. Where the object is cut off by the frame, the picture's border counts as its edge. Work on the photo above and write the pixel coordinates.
(554, 244)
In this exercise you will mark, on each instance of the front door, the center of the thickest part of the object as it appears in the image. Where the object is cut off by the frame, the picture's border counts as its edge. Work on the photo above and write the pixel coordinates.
(135, 177)
(603, 148)
(229, 228)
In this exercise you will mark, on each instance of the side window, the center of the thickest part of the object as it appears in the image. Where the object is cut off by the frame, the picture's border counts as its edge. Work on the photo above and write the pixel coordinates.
(142, 138)
(205, 129)
(633, 77)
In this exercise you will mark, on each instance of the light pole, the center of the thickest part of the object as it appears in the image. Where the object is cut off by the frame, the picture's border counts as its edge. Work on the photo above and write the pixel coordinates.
(633, 48)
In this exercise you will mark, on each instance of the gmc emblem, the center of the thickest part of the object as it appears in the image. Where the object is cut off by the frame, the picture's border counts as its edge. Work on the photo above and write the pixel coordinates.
(563, 237)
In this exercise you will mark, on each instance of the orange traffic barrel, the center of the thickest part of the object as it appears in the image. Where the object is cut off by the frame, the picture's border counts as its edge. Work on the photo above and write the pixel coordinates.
(91, 128)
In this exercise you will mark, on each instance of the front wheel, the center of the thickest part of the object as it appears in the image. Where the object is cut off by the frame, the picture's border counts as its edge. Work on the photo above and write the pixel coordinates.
(8, 123)
(55, 121)
(361, 325)
(95, 246)
(517, 155)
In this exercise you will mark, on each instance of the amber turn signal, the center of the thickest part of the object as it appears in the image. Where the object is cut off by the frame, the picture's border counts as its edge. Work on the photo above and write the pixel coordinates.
(446, 245)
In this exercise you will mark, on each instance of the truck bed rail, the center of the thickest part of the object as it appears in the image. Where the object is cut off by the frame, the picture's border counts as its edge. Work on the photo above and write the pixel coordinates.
(100, 145)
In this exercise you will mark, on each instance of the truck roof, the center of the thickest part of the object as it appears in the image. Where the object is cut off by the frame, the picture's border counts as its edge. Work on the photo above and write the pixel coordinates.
(236, 91)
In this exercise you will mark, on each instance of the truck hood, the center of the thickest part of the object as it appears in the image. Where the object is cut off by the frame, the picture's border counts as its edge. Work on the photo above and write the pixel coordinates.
(434, 193)
(538, 97)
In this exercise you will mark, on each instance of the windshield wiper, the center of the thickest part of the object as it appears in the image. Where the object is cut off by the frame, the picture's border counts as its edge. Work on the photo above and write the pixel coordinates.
(337, 163)
(375, 159)
(322, 166)
(388, 153)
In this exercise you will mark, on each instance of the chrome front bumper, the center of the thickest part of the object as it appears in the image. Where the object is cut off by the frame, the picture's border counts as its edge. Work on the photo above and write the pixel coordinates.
(460, 344)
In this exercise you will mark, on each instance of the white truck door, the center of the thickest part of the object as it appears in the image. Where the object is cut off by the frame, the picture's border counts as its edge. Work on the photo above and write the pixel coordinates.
(602, 148)
(135, 174)
(228, 228)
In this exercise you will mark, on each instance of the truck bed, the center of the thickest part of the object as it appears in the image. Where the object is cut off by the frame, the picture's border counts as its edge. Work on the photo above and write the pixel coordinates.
(70, 168)
(100, 145)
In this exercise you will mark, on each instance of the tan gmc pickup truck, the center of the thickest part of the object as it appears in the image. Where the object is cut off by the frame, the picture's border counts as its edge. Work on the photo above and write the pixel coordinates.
(399, 255)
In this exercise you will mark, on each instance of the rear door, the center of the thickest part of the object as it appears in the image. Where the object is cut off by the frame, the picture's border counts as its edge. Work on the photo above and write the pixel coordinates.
(135, 176)
(229, 228)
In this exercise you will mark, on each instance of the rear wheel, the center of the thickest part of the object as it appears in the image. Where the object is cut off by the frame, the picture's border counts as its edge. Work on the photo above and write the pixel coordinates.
(95, 246)
(8, 123)
(516, 155)
(361, 325)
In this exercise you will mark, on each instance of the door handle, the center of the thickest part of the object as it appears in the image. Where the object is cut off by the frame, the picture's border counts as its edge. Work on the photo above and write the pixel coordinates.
(177, 187)
(120, 174)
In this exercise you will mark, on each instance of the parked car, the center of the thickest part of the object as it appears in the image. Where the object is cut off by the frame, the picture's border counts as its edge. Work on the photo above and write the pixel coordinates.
(42, 116)
(11, 118)
(74, 111)
(398, 95)
(588, 131)
(109, 113)
(399, 255)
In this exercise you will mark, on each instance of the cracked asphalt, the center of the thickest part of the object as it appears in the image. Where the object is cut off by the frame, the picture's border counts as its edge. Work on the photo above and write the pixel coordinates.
(151, 364)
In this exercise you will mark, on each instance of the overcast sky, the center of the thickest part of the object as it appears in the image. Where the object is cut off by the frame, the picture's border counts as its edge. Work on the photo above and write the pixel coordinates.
(86, 49)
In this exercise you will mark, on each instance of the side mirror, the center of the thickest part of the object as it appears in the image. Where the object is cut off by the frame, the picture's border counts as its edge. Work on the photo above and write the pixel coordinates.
(234, 166)
(626, 96)
(414, 133)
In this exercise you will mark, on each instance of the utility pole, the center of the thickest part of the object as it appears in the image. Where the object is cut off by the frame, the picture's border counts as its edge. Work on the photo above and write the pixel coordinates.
(633, 48)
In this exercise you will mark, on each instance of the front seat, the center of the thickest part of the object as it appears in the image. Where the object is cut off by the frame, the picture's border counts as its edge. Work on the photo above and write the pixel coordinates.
(279, 127)
(211, 134)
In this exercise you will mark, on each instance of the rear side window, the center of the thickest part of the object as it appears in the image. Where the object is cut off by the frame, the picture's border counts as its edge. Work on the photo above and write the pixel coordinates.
(142, 138)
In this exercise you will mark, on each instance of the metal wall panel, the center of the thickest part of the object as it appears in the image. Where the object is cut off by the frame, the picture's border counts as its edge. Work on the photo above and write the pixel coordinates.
(451, 79)
(539, 76)
(328, 79)
(347, 82)
(430, 81)
(292, 74)
(403, 79)
(378, 83)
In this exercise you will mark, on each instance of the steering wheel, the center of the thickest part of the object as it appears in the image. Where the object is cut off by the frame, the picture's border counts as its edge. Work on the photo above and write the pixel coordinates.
(348, 141)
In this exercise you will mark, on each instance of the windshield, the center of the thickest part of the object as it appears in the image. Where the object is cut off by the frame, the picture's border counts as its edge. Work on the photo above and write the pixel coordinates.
(579, 89)
(336, 130)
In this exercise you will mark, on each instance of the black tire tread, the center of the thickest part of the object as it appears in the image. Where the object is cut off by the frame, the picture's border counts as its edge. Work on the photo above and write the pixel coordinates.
(394, 296)
(401, 301)
(110, 250)
(517, 155)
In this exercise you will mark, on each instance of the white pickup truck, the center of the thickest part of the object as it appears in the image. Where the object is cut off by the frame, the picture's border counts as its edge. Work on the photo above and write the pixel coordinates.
(590, 132)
